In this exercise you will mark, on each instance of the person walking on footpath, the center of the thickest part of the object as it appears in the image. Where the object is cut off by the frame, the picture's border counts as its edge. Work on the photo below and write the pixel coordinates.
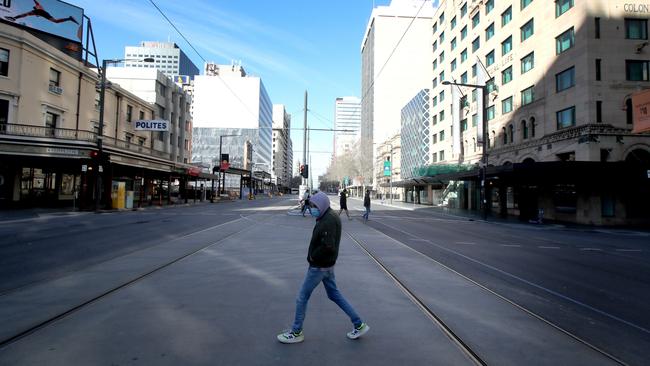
(343, 201)
(305, 204)
(322, 254)
(366, 204)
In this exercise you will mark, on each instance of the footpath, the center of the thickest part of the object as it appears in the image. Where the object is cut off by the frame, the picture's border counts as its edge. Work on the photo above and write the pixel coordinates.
(220, 296)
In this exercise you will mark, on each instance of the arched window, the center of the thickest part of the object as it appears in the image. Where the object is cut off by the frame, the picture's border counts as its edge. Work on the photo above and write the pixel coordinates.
(511, 132)
(532, 126)
(474, 143)
(504, 134)
(628, 111)
(524, 129)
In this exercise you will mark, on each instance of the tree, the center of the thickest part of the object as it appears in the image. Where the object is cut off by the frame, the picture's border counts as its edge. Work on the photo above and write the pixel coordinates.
(345, 165)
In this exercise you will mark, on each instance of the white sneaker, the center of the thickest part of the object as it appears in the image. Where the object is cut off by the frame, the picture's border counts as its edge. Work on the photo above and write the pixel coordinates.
(358, 331)
(291, 337)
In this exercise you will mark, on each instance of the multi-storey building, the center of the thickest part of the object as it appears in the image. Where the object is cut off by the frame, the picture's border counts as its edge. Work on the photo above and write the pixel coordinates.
(49, 134)
(388, 168)
(281, 144)
(228, 102)
(415, 134)
(561, 75)
(395, 65)
(168, 58)
(347, 122)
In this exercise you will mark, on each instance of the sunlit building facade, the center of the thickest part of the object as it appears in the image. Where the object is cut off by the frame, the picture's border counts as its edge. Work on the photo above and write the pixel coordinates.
(415, 134)
(347, 122)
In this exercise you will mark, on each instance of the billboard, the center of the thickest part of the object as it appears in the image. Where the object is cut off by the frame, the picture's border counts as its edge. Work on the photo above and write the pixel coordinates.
(641, 111)
(49, 16)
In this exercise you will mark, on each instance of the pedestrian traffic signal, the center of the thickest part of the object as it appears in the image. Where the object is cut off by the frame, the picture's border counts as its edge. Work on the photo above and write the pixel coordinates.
(304, 171)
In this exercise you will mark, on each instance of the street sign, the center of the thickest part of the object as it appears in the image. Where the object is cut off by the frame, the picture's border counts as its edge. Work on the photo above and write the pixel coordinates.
(386, 168)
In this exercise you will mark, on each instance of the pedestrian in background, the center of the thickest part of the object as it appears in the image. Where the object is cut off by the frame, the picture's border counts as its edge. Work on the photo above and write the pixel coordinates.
(322, 254)
(366, 204)
(343, 201)
(305, 204)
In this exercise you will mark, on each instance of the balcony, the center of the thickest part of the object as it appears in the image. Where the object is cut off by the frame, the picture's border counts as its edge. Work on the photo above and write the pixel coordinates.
(77, 135)
(55, 89)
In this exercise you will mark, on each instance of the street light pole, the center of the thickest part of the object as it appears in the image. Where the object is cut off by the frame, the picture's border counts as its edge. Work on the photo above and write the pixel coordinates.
(484, 157)
(391, 174)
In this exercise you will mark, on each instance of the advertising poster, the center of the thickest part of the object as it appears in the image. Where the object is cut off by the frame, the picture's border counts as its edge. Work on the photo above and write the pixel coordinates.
(49, 16)
(641, 114)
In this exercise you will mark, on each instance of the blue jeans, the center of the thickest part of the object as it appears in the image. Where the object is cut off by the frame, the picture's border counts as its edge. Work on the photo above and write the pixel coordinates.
(312, 279)
(365, 215)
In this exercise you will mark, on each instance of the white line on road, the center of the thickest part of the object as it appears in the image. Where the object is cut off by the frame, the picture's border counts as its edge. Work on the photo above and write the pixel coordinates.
(465, 243)
(591, 249)
(511, 245)
(628, 250)
(547, 247)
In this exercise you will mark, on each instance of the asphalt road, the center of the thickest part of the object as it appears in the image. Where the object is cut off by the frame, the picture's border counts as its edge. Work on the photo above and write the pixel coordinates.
(39, 249)
(592, 283)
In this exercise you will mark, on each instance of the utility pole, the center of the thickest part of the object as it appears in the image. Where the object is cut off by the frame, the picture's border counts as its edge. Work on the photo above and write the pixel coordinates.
(304, 139)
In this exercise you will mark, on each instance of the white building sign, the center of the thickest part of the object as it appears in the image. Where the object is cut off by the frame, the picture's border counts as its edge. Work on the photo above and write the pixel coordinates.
(151, 125)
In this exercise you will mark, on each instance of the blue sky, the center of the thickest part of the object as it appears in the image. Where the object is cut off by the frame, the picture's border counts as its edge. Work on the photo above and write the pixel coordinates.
(293, 45)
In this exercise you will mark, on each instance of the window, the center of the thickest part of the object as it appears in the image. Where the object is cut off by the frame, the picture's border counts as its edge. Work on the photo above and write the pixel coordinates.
(506, 46)
(524, 130)
(525, 3)
(504, 135)
(476, 19)
(463, 56)
(435, 82)
(528, 95)
(490, 113)
(435, 64)
(441, 154)
(476, 44)
(463, 33)
(435, 28)
(506, 105)
(97, 97)
(511, 133)
(435, 46)
(55, 77)
(51, 120)
(506, 76)
(463, 101)
(141, 115)
(442, 78)
(636, 70)
(435, 139)
(489, 5)
(532, 127)
(463, 10)
(442, 18)
(453, 43)
(434, 158)
(527, 30)
(564, 41)
(597, 27)
(562, 6)
(598, 76)
(453, 65)
(4, 62)
(474, 70)
(442, 57)
(434, 101)
(129, 113)
(506, 16)
(442, 37)
(489, 31)
(463, 125)
(474, 94)
(4, 111)
(629, 111)
(474, 120)
(442, 116)
(442, 135)
(491, 85)
(528, 62)
(636, 28)
(565, 79)
(453, 23)
(566, 118)
(489, 58)
(441, 96)
(599, 111)
(463, 78)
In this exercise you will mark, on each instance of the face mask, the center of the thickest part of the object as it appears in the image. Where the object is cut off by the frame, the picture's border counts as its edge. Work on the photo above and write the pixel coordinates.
(315, 212)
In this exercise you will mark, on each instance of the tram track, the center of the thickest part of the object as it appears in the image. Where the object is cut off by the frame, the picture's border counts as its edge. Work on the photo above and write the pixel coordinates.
(105, 294)
(446, 329)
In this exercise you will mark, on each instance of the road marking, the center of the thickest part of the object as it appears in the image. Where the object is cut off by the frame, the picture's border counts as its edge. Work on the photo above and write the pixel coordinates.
(511, 245)
(628, 250)
(547, 247)
(465, 243)
(419, 239)
(591, 249)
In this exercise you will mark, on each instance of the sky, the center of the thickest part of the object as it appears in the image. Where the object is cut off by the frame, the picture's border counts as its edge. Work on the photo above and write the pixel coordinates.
(293, 45)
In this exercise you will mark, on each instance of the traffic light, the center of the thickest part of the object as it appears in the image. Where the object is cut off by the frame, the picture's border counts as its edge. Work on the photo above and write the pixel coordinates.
(304, 171)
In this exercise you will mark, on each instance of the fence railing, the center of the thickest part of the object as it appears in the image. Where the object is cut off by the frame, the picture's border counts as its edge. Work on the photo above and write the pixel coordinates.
(79, 135)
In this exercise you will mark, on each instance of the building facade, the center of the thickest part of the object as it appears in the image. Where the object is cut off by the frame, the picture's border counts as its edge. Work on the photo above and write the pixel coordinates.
(347, 122)
(415, 134)
(227, 101)
(168, 58)
(395, 65)
(281, 144)
(49, 133)
(559, 117)
(389, 151)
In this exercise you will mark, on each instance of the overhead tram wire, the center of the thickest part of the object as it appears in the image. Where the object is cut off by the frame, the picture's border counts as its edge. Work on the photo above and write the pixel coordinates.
(200, 56)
